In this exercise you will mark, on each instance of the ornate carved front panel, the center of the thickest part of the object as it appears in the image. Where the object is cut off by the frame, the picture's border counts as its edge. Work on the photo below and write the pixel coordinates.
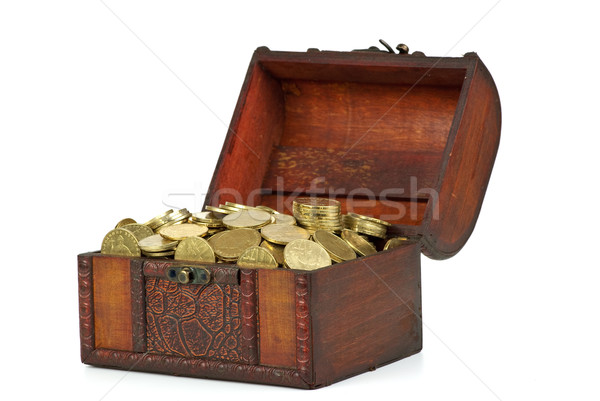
(193, 320)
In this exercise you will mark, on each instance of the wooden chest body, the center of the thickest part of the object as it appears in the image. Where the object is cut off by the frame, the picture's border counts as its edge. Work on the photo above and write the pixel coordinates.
(420, 134)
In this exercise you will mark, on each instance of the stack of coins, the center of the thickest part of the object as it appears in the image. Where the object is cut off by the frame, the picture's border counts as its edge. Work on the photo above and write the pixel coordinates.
(318, 214)
(168, 218)
(254, 237)
(213, 221)
(365, 225)
(156, 246)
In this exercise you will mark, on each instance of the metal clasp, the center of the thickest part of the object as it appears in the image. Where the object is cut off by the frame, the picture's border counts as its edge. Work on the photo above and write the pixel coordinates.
(188, 275)
(402, 48)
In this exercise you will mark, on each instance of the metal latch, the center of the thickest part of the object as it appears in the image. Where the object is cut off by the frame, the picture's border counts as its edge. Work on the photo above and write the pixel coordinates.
(188, 275)
(402, 49)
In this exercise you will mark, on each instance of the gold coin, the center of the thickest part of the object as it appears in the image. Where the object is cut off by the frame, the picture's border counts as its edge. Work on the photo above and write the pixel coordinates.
(337, 248)
(124, 222)
(364, 226)
(276, 250)
(230, 208)
(207, 218)
(369, 218)
(158, 220)
(268, 209)
(120, 242)
(196, 249)
(239, 206)
(140, 231)
(255, 256)
(359, 244)
(283, 233)
(218, 210)
(230, 244)
(156, 243)
(317, 203)
(247, 219)
(396, 243)
(158, 254)
(182, 231)
(284, 219)
(303, 254)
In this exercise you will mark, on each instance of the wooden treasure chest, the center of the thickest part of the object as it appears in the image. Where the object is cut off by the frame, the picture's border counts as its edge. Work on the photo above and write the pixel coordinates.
(405, 138)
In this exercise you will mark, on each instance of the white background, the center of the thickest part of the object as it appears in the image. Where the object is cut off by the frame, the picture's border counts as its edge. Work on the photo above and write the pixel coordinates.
(106, 108)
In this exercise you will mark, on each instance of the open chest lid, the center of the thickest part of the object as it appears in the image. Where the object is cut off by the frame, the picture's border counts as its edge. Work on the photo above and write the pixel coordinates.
(405, 138)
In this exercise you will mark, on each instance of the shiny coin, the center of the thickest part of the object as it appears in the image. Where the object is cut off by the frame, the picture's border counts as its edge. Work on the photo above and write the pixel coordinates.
(283, 233)
(276, 250)
(230, 244)
(158, 220)
(247, 219)
(182, 231)
(337, 248)
(317, 203)
(218, 210)
(239, 206)
(255, 256)
(140, 231)
(305, 255)
(124, 222)
(284, 219)
(371, 219)
(195, 249)
(158, 254)
(268, 209)
(120, 242)
(359, 244)
(156, 243)
(230, 208)
(207, 218)
(396, 243)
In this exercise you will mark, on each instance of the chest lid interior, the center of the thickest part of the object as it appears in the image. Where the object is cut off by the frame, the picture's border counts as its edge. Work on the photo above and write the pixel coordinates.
(405, 138)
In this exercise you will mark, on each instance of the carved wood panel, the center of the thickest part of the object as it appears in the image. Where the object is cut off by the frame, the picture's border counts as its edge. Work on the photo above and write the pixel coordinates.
(193, 320)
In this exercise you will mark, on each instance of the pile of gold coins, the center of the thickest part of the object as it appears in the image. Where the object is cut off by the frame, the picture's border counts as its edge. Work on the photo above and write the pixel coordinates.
(316, 236)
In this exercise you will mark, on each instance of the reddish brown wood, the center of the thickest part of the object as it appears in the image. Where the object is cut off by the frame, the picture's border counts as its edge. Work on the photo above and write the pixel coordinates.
(365, 313)
(469, 158)
(196, 367)
(405, 138)
(249, 337)
(138, 305)
(112, 303)
(255, 128)
(422, 131)
(303, 328)
(277, 317)
(86, 305)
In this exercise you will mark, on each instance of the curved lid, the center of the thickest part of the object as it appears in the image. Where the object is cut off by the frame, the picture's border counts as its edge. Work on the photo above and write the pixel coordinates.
(406, 138)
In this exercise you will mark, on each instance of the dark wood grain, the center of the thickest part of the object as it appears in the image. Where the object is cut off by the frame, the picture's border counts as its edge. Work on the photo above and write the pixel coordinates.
(196, 367)
(469, 158)
(365, 313)
(420, 130)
